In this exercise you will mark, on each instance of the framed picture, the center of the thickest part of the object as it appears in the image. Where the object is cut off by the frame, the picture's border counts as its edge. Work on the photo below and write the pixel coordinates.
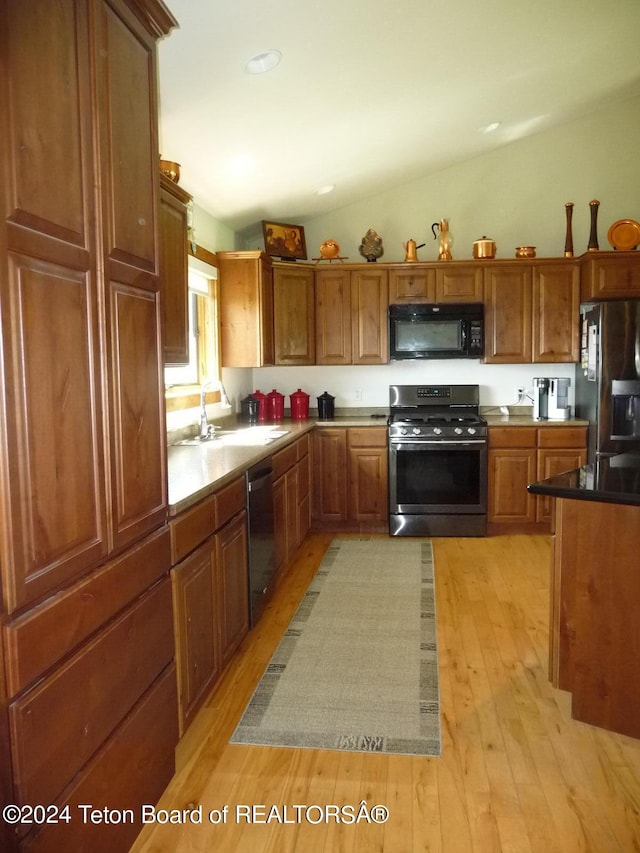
(284, 241)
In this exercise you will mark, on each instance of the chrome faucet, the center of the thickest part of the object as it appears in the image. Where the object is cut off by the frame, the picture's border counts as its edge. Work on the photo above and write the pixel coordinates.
(206, 429)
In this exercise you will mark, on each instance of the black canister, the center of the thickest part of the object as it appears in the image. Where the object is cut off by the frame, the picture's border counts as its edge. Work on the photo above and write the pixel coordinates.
(326, 408)
(249, 410)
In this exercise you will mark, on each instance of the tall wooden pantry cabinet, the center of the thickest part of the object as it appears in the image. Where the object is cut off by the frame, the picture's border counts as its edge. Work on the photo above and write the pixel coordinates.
(87, 684)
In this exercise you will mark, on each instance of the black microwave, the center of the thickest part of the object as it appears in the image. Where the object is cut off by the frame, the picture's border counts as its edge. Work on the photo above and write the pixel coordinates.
(448, 330)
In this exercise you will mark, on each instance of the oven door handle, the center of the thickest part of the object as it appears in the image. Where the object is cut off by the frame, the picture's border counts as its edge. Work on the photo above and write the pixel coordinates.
(437, 441)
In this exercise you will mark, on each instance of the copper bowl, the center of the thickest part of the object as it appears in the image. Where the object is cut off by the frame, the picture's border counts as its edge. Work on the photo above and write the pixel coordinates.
(525, 252)
(170, 169)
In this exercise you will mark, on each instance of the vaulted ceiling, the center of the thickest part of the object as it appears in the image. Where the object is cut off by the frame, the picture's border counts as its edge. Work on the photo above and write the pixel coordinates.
(371, 94)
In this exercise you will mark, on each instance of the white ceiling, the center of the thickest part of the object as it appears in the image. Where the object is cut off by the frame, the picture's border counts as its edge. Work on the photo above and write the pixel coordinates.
(372, 94)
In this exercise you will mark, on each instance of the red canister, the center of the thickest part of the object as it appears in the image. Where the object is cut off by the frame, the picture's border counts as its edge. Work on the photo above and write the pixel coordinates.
(299, 405)
(262, 405)
(275, 405)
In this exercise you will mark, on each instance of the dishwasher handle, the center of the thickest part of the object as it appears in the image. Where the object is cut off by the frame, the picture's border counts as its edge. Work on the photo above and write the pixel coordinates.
(259, 479)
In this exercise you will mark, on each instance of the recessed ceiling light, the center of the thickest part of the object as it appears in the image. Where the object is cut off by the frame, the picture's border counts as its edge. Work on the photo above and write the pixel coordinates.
(489, 128)
(326, 189)
(262, 62)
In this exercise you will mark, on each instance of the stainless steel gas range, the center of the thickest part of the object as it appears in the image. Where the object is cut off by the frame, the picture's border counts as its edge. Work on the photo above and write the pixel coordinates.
(437, 461)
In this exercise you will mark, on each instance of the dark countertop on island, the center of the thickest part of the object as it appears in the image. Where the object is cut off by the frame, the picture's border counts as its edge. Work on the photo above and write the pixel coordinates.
(612, 479)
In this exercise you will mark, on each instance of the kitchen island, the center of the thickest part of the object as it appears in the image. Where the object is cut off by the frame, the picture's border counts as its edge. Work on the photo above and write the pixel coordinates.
(595, 591)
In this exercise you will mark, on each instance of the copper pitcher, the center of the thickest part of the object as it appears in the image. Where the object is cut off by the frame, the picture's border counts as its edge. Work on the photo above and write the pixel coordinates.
(446, 239)
(410, 250)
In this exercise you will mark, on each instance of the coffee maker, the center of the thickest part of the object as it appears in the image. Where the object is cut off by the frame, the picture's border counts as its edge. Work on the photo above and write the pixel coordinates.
(551, 398)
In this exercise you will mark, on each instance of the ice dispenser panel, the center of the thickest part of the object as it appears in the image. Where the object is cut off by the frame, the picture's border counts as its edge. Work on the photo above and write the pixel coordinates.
(625, 415)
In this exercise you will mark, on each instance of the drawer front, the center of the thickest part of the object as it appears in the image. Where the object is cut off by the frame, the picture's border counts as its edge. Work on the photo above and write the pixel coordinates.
(512, 436)
(69, 618)
(283, 460)
(59, 724)
(562, 437)
(230, 501)
(192, 527)
(367, 437)
(144, 744)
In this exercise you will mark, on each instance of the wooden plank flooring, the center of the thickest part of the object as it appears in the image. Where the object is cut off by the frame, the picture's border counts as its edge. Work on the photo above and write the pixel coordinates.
(516, 774)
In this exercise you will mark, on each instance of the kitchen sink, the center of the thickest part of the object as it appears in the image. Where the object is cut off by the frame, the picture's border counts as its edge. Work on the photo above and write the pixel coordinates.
(244, 436)
(252, 435)
(194, 442)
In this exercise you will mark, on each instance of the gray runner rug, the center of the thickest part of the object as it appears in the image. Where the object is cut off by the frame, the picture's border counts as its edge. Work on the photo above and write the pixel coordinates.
(357, 668)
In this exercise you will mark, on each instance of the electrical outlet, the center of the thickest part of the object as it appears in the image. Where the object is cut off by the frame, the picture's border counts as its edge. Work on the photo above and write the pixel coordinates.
(357, 394)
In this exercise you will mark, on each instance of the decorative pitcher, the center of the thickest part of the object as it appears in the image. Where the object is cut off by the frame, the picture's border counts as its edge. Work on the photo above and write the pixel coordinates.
(411, 255)
(446, 239)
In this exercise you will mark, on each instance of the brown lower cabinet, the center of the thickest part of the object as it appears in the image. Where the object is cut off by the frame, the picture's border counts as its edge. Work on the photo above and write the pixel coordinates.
(79, 699)
(291, 499)
(210, 592)
(520, 455)
(350, 483)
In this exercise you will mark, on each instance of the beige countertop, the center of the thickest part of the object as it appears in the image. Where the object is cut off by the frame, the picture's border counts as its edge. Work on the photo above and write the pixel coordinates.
(528, 421)
(195, 471)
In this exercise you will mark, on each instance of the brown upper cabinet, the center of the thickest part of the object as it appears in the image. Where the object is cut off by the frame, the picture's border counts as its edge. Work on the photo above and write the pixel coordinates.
(610, 275)
(531, 312)
(351, 315)
(246, 309)
(80, 314)
(173, 272)
(443, 282)
(555, 307)
(508, 327)
(294, 314)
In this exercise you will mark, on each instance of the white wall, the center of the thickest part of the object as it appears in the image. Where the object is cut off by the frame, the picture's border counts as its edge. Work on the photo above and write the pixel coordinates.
(498, 383)
(515, 194)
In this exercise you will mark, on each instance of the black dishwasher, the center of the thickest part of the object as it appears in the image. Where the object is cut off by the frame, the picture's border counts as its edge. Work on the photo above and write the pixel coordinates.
(262, 562)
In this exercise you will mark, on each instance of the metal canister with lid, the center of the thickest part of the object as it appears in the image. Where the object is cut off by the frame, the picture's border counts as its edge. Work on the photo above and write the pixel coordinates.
(326, 407)
(299, 405)
(275, 405)
(249, 410)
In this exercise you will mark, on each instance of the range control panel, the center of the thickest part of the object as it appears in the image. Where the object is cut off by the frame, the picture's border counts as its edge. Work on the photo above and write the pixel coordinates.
(434, 391)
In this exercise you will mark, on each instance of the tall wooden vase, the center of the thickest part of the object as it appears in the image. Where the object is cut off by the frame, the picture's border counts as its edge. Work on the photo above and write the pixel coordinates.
(593, 234)
(568, 240)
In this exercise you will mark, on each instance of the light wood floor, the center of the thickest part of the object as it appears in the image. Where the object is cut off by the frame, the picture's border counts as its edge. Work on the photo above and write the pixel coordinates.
(516, 774)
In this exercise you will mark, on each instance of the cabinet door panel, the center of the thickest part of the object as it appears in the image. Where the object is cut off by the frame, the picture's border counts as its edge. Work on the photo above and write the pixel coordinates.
(368, 500)
(54, 501)
(610, 275)
(232, 585)
(510, 471)
(55, 198)
(139, 457)
(330, 475)
(459, 284)
(333, 317)
(556, 302)
(303, 496)
(280, 521)
(127, 98)
(418, 285)
(294, 316)
(550, 463)
(369, 302)
(173, 279)
(197, 644)
(508, 325)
